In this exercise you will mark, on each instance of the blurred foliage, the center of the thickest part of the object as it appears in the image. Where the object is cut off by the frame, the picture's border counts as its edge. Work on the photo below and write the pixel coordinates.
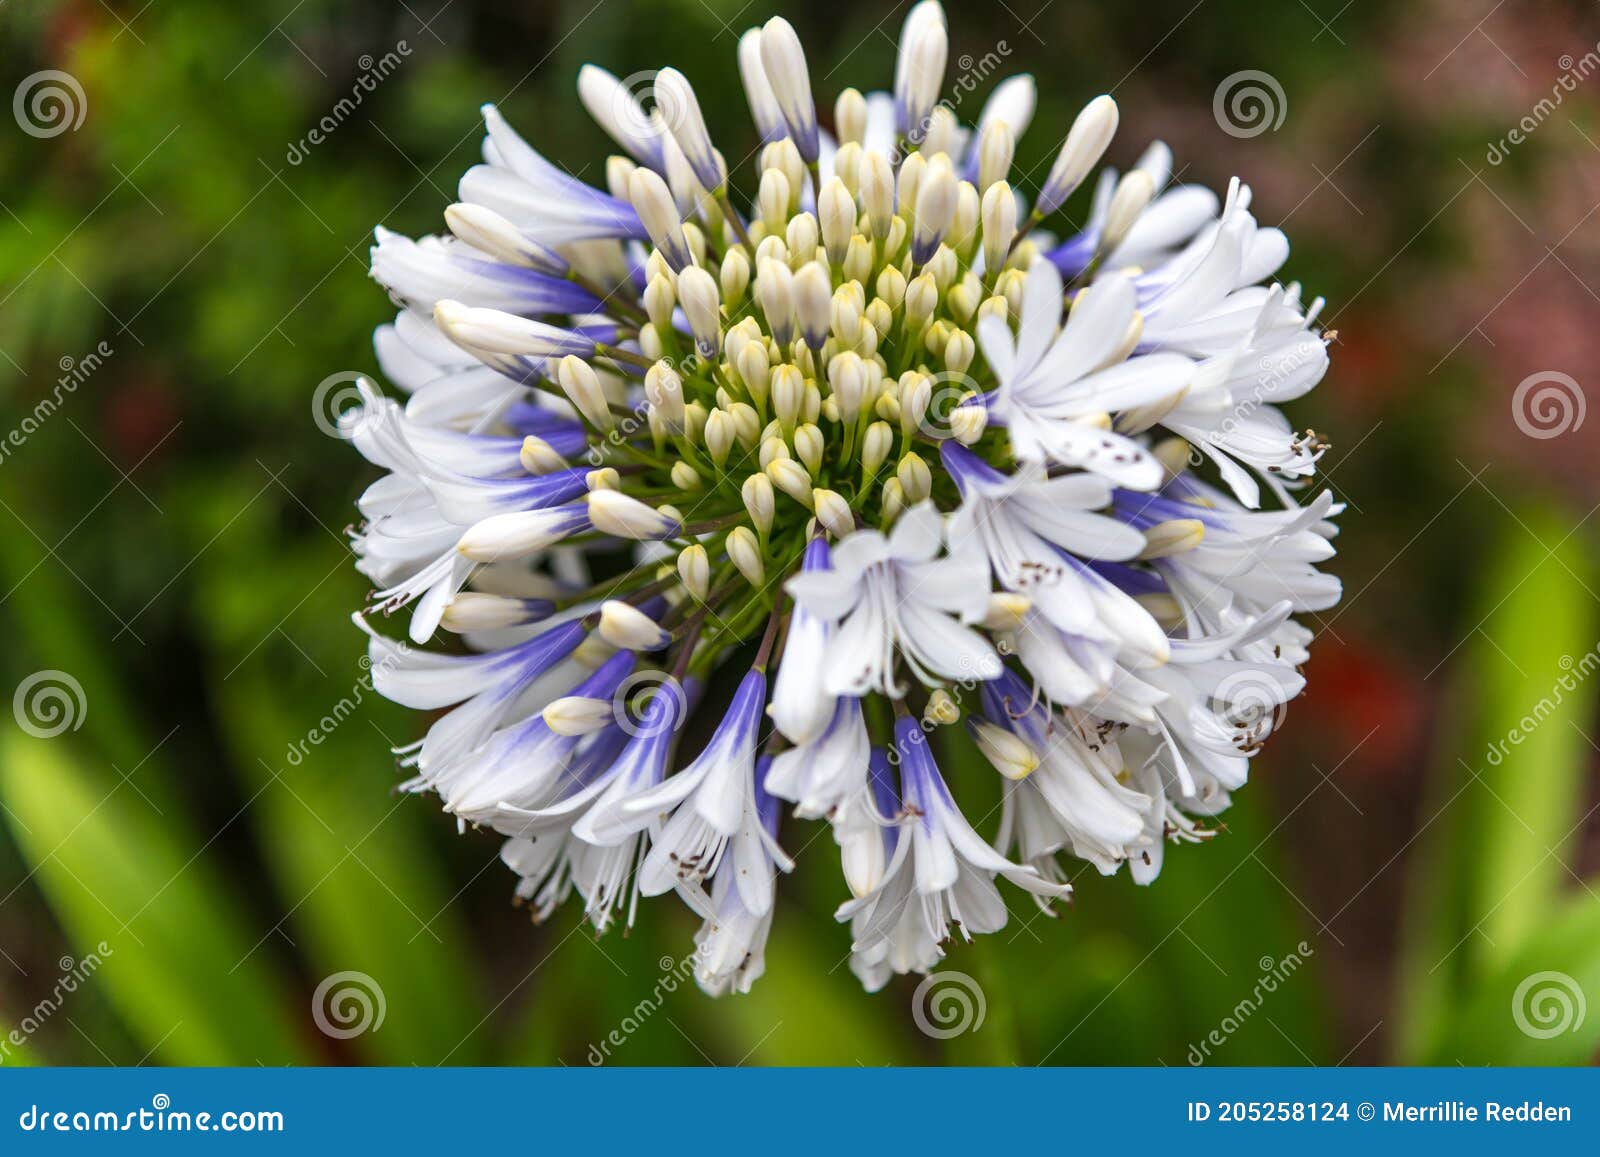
(173, 541)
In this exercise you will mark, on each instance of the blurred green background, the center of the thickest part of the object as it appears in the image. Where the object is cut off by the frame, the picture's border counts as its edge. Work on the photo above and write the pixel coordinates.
(171, 541)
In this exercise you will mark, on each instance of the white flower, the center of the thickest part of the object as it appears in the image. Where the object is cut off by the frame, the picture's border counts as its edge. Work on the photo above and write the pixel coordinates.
(876, 429)
(941, 873)
(1058, 383)
(893, 595)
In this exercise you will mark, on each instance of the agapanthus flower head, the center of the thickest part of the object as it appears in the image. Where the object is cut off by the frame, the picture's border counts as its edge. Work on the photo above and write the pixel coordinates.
(702, 506)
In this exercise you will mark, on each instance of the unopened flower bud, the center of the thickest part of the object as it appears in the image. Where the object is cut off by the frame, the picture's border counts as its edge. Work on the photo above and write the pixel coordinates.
(1086, 143)
(848, 378)
(858, 258)
(578, 715)
(788, 394)
(877, 192)
(809, 446)
(1011, 756)
(813, 301)
(759, 501)
(922, 297)
(850, 117)
(772, 201)
(582, 386)
(959, 351)
(745, 553)
(894, 500)
(664, 390)
(916, 480)
(995, 149)
(539, 457)
(734, 276)
(999, 226)
(721, 431)
(697, 292)
(833, 512)
(836, 210)
(475, 611)
(622, 516)
(775, 293)
(652, 200)
(1127, 203)
(875, 447)
(916, 395)
(626, 627)
(968, 423)
(792, 478)
(694, 570)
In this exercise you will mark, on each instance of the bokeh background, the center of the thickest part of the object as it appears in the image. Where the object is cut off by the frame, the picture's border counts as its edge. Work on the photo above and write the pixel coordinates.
(178, 271)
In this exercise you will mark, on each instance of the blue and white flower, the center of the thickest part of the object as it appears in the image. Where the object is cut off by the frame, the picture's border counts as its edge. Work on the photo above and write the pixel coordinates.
(708, 515)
